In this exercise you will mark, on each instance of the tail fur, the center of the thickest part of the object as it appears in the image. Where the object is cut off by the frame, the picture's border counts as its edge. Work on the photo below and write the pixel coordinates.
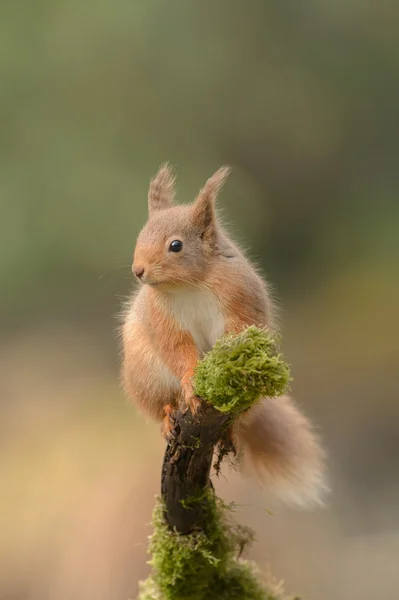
(280, 448)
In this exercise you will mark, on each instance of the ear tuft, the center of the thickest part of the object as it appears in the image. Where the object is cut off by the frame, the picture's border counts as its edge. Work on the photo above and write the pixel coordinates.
(162, 189)
(204, 213)
(215, 183)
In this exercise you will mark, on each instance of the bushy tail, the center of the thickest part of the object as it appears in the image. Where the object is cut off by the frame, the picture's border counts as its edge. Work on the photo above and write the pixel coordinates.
(280, 448)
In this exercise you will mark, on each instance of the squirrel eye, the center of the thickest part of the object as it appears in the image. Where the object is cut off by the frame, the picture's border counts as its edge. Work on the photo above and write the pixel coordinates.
(176, 246)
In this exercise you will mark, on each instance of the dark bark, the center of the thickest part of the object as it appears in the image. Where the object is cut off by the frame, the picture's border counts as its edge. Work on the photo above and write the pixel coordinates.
(187, 464)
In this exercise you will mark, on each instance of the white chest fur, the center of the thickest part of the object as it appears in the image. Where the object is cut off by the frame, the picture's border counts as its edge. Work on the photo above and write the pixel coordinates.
(198, 312)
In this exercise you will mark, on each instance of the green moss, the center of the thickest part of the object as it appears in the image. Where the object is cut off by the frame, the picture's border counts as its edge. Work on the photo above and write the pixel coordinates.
(240, 582)
(240, 369)
(203, 565)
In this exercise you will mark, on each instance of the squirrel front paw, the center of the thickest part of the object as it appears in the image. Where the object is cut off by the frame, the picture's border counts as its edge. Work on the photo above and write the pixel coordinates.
(168, 424)
(192, 401)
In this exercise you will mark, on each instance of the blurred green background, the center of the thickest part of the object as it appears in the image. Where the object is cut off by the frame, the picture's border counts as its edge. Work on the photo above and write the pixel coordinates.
(301, 98)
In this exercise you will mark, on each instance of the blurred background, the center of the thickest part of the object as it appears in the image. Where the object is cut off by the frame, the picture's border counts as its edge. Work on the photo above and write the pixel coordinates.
(301, 98)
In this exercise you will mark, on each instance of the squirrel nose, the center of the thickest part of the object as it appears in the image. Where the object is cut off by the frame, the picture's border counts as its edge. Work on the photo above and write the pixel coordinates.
(138, 271)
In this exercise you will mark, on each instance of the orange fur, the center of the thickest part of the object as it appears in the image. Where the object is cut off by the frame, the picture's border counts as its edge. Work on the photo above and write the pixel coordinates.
(187, 300)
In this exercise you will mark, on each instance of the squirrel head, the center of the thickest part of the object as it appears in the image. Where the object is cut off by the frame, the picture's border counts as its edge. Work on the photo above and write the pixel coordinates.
(177, 243)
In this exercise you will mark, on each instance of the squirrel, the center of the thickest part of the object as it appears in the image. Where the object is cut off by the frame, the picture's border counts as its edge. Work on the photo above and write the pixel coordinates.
(196, 285)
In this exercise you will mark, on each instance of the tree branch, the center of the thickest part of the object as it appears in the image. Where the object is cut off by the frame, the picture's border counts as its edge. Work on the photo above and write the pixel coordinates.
(187, 464)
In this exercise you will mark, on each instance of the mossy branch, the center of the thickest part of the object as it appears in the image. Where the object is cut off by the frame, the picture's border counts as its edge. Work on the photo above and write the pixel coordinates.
(195, 546)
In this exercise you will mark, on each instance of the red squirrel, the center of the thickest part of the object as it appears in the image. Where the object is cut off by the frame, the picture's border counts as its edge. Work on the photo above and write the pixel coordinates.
(196, 285)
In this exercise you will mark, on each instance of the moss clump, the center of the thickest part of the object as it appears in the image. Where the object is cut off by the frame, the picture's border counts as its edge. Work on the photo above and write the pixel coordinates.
(240, 582)
(240, 369)
(203, 565)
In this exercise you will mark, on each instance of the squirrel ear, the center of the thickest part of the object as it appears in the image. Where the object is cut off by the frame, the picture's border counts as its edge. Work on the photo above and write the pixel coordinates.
(162, 189)
(204, 205)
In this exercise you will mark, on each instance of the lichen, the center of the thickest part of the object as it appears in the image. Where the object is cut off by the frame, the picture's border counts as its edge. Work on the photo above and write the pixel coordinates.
(204, 565)
(240, 369)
